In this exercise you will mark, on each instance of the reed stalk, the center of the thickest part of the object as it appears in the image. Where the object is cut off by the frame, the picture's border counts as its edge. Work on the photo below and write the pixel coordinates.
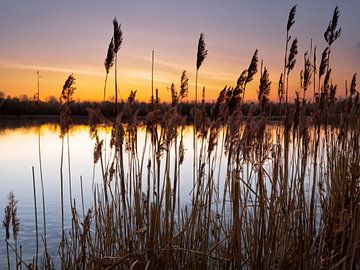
(36, 219)
(42, 189)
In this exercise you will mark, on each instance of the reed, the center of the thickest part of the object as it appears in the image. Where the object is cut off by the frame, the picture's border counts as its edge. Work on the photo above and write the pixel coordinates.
(117, 40)
(36, 219)
(108, 63)
(65, 122)
(6, 224)
(201, 55)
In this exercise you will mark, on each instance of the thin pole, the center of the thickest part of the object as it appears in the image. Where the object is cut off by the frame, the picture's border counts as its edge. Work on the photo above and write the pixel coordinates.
(152, 79)
(38, 86)
(116, 90)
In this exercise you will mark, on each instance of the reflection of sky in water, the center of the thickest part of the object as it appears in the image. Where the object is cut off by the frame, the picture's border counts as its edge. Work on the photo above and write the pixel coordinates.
(19, 152)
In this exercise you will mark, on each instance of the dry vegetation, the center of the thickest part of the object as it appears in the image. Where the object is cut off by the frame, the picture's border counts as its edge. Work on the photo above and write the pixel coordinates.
(286, 201)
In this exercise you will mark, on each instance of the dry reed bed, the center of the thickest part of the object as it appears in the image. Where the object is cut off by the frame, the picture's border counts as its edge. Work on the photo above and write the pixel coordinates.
(289, 201)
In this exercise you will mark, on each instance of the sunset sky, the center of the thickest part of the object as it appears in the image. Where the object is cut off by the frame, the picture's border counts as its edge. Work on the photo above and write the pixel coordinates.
(63, 37)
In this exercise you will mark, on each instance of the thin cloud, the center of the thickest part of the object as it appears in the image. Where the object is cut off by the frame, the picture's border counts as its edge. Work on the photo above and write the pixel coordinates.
(135, 73)
(5, 64)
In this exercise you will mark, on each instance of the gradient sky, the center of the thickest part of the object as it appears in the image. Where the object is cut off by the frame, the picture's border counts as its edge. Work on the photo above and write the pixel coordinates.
(63, 37)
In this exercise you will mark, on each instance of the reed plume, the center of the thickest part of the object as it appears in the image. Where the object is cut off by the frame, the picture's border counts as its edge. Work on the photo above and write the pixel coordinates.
(201, 55)
(332, 94)
(131, 97)
(353, 85)
(201, 52)
(290, 23)
(324, 62)
(66, 98)
(14, 218)
(174, 95)
(252, 69)
(216, 110)
(109, 60)
(291, 18)
(292, 60)
(332, 32)
(264, 89)
(95, 119)
(306, 73)
(281, 91)
(242, 79)
(7, 221)
(117, 38)
(11, 215)
(108, 63)
(184, 85)
(6, 224)
(68, 89)
(248, 74)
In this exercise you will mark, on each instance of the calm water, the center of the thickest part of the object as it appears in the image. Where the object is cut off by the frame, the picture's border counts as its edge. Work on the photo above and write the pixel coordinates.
(19, 153)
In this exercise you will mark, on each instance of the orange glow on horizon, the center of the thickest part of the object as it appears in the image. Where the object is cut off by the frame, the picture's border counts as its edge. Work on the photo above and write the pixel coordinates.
(134, 73)
(91, 87)
(77, 42)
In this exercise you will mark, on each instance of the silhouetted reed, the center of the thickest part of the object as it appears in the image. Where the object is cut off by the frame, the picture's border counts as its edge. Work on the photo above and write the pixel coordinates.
(290, 23)
(117, 39)
(109, 62)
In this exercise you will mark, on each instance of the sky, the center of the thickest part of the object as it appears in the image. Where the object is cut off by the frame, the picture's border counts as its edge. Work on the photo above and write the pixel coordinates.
(63, 37)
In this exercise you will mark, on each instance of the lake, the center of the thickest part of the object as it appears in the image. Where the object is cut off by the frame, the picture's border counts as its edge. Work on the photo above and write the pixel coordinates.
(19, 144)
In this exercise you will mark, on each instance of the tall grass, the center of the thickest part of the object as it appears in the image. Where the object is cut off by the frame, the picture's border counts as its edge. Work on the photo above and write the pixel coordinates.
(117, 40)
(287, 200)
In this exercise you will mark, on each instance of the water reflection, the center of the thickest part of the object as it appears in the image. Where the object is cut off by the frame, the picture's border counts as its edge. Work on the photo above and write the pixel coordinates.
(19, 152)
(19, 146)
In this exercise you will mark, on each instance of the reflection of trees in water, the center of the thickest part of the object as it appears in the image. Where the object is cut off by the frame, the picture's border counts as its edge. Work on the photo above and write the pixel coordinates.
(19, 122)
(31, 125)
